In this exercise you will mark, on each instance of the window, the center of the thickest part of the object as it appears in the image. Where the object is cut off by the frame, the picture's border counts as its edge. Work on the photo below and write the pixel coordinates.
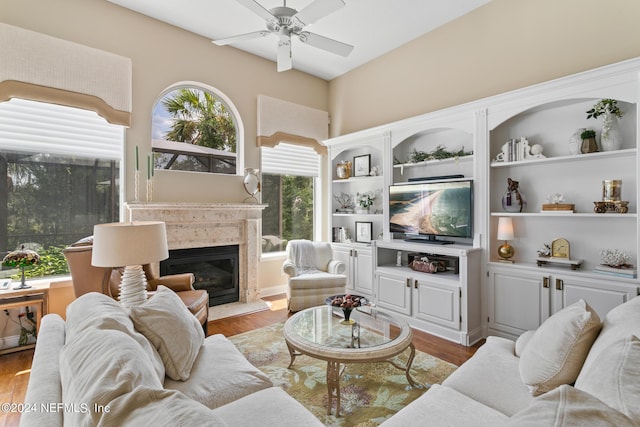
(62, 168)
(195, 129)
(289, 173)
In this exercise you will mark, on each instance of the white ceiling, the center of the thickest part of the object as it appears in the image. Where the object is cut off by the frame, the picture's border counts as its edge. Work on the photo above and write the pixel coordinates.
(374, 27)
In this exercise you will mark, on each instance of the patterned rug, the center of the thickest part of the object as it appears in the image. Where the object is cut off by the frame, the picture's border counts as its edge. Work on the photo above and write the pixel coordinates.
(370, 392)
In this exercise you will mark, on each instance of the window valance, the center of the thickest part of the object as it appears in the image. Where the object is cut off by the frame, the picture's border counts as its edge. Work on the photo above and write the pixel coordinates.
(39, 67)
(282, 121)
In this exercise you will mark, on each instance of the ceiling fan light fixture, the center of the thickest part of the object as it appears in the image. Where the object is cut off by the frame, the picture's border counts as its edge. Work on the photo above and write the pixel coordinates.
(283, 21)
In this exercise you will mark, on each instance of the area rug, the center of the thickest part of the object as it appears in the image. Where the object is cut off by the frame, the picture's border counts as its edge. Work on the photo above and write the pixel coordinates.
(236, 309)
(370, 392)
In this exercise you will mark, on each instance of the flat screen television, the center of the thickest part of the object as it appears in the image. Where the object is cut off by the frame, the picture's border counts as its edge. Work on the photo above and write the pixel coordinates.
(430, 210)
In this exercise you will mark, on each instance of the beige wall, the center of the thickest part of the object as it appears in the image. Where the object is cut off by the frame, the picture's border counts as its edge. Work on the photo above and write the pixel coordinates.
(504, 45)
(163, 55)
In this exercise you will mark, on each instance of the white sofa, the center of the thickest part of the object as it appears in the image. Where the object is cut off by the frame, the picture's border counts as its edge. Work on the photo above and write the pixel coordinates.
(150, 366)
(489, 389)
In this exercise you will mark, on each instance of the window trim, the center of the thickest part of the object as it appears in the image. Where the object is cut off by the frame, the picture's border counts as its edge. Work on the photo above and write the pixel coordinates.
(229, 105)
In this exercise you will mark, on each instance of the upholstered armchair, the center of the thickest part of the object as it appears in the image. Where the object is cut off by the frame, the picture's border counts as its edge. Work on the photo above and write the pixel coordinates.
(88, 278)
(313, 274)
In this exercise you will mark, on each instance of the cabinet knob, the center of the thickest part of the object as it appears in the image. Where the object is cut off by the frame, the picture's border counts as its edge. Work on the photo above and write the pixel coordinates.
(559, 284)
(415, 283)
(408, 282)
(545, 282)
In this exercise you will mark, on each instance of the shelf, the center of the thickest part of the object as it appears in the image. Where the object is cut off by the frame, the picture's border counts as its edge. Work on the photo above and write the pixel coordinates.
(567, 215)
(560, 270)
(357, 214)
(563, 159)
(435, 162)
(448, 277)
(358, 179)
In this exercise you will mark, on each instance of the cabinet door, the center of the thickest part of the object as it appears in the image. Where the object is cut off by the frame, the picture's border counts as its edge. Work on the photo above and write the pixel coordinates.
(363, 272)
(394, 292)
(437, 303)
(343, 253)
(518, 301)
(601, 295)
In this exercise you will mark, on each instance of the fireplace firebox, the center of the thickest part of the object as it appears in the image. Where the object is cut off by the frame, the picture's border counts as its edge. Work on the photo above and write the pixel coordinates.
(216, 270)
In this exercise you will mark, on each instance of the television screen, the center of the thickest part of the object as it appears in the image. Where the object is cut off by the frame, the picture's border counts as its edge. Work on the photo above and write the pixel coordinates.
(432, 208)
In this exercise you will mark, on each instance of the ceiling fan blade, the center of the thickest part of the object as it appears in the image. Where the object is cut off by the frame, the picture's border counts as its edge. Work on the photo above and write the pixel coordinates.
(325, 43)
(284, 54)
(241, 37)
(258, 9)
(316, 10)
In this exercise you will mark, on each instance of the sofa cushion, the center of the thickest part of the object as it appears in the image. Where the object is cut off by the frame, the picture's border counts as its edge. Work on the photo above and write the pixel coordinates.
(98, 366)
(172, 329)
(311, 280)
(98, 311)
(621, 322)
(491, 377)
(557, 350)
(158, 408)
(444, 406)
(266, 408)
(567, 406)
(220, 374)
(613, 377)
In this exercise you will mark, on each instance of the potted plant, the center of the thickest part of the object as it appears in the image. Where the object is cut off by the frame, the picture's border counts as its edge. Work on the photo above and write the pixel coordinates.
(610, 112)
(365, 200)
(589, 144)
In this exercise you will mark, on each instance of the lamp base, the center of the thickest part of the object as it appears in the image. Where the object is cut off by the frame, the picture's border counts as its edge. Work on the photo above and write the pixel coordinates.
(133, 286)
(505, 252)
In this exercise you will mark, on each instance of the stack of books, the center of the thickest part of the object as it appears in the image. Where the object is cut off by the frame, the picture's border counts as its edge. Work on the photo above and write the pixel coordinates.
(624, 271)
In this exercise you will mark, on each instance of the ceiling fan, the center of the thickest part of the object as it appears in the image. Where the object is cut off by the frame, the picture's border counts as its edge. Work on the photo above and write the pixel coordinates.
(284, 21)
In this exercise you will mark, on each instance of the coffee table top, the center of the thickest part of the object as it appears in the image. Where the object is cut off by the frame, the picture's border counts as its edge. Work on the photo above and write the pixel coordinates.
(319, 332)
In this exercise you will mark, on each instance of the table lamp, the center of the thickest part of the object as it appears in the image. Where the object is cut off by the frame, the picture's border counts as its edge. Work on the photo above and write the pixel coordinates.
(505, 232)
(130, 245)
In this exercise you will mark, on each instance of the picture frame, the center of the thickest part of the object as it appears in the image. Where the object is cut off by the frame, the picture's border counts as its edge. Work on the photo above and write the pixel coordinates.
(364, 231)
(362, 165)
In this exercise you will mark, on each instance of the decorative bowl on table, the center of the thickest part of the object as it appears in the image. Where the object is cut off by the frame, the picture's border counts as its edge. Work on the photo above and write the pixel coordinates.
(347, 303)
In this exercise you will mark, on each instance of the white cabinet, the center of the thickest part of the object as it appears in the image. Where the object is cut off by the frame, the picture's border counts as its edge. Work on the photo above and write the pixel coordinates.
(447, 304)
(521, 298)
(358, 260)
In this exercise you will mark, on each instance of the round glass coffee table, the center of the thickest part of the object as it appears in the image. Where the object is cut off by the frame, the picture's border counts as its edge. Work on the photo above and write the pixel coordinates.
(374, 337)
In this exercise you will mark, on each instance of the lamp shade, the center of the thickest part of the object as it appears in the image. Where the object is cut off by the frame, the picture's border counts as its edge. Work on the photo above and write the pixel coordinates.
(121, 244)
(505, 229)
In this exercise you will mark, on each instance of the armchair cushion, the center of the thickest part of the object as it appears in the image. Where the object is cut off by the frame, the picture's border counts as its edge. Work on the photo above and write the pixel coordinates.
(172, 329)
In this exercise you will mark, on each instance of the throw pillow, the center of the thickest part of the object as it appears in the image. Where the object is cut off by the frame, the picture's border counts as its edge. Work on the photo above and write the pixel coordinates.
(613, 376)
(555, 353)
(98, 366)
(522, 342)
(567, 406)
(172, 329)
(98, 311)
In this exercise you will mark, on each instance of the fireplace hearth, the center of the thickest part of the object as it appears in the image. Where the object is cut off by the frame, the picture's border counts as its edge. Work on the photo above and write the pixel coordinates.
(216, 270)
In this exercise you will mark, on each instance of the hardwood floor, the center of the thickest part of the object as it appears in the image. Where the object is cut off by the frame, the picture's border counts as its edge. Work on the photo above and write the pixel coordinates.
(14, 367)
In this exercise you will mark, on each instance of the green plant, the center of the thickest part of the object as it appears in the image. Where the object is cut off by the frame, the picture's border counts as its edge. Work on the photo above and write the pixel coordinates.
(605, 106)
(589, 133)
(439, 153)
(365, 199)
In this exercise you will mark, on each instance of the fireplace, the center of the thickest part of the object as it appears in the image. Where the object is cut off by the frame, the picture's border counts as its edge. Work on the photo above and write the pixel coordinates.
(216, 270)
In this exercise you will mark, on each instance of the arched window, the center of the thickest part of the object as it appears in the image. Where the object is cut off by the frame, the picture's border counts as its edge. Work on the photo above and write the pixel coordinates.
(196, 128)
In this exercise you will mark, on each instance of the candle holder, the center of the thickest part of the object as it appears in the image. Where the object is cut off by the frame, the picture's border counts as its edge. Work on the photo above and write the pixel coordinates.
(136, 184)
(149, 190)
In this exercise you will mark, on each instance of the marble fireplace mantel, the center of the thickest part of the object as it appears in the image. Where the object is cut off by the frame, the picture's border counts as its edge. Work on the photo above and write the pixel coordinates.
(197, 225)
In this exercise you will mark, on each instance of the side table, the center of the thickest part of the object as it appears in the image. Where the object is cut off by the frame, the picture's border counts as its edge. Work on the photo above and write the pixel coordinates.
(37, 295)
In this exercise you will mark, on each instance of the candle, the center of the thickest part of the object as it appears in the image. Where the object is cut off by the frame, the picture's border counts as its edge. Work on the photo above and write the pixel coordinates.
(148, 167)
(137, 165)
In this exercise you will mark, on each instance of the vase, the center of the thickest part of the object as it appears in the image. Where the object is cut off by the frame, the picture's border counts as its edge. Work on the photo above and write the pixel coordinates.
(513, 201)
(610, 137)
(589, 145)
(343, 170)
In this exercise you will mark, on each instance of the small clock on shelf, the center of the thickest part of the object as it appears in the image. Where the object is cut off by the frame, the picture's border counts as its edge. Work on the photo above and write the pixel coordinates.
(559, 253)
(560, 248)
